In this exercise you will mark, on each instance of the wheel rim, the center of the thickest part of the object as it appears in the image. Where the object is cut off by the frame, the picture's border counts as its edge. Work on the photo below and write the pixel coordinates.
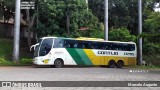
(111, 64)
(58, 63)
(120, 64)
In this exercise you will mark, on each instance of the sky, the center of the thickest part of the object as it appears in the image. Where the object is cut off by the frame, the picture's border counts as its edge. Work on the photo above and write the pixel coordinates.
(157, 9)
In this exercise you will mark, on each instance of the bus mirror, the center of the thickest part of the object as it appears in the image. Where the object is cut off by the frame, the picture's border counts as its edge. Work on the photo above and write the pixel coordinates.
(34, 46)
(31, 47)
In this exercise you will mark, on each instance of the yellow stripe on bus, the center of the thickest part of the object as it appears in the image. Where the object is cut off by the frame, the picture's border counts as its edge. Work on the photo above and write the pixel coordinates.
(103, 60)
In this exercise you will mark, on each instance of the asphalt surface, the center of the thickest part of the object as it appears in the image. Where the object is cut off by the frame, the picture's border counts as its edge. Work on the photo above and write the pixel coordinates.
(71, 73)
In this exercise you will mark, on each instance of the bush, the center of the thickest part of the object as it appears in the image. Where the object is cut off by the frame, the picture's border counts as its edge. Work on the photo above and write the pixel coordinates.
(5, 62)
(26, 61)
(6, 49)
(151, 49)
(121, 34)
(152, 59)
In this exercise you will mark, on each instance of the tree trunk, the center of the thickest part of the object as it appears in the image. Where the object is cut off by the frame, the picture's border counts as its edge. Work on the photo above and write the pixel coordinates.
(4, 29)
(28, 28)
(68, 24)
(30, 23)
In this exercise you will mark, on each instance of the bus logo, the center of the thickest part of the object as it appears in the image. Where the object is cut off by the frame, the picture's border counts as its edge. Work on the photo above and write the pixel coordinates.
(6, 84)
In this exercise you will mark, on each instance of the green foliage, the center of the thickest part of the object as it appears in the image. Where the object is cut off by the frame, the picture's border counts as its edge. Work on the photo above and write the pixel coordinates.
(122, 13)
(5, 49)
(53, 18)
(150, 38)
(6, 54)
(121, 34)
(5, 62)
(151, 49)
(152, 59)
(26, 61)
(6, 8)
(152, 23)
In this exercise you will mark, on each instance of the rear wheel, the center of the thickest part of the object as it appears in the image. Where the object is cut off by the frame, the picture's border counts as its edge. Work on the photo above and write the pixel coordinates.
(111, 64)
(120, 64)
(58, 63)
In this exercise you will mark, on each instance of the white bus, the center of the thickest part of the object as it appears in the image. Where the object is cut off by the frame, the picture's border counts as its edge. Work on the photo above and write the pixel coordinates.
(82, 51)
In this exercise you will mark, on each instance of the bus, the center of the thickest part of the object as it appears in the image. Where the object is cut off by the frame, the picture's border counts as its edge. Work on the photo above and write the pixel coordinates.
(59, 51)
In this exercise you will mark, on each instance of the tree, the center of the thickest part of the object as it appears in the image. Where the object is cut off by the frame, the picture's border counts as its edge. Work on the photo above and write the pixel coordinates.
(64, 18)
(6, 9)
(122, 13)
(152, 23)
(29, 15)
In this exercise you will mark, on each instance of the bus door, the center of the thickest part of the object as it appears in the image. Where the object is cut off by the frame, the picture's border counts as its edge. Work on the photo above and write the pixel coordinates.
(44, 51)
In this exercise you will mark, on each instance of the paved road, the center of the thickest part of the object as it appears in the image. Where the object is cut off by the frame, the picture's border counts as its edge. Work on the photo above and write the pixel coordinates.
(29, 73)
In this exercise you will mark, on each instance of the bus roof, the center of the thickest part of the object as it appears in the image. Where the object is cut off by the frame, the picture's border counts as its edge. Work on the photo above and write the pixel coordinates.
(89, 39)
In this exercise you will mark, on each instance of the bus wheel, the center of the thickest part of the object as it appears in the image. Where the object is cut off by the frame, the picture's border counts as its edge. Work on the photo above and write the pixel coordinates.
(111, 64)
(58, 63)
(120, 64)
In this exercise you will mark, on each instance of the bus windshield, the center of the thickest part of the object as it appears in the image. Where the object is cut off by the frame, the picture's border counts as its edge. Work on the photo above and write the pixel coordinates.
(45, 47)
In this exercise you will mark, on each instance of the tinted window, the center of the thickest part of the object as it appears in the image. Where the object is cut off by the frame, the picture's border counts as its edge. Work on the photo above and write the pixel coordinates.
(123, 47)
(45, 47)
(36, 51)
(59, 43)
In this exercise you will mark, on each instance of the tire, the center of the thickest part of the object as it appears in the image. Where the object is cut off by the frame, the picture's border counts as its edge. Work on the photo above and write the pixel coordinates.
(111, 64)
(58, 63)
(120, 64)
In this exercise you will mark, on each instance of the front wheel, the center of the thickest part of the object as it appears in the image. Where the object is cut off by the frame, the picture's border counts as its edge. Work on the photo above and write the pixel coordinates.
(58, 63)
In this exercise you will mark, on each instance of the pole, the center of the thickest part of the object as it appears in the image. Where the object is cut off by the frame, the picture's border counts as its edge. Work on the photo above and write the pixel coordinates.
(87, 4)
(15, 56)
(37, 21)
(140, 31)
(106, 21)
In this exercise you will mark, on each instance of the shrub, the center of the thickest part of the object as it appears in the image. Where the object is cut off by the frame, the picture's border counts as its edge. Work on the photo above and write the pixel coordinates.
(121, 34)
(26, 61)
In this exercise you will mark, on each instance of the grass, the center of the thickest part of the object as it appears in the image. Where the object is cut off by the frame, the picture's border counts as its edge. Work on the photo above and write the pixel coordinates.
(6, 48)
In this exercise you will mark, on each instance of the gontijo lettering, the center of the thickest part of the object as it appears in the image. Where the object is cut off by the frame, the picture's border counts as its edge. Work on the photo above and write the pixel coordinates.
(107, 53)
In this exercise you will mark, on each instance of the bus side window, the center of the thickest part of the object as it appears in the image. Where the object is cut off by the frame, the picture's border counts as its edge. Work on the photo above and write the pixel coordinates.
(92, 45)
(125, 47)
(100, 46)
(105, 46)
(79, 44)
(108, 46)
(66, 44)
(75, 45)
(131, 47)
(85, 45)
(71, 43)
